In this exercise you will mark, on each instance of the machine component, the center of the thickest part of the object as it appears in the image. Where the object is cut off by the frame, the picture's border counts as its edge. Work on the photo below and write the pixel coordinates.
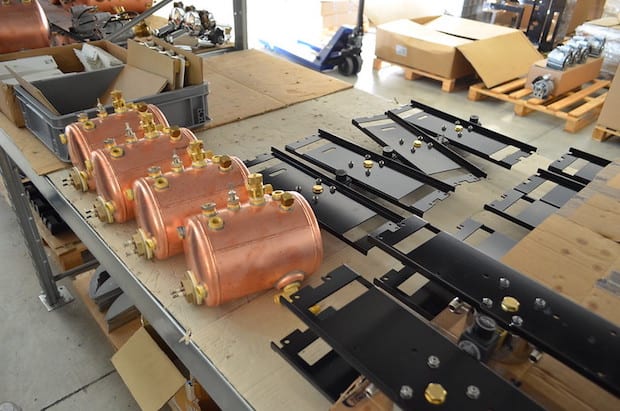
(597, 44)
(433, 158)
(391, 347)
(121, 311)
(554, 324)
(362, 395)
(23, 25)
(200, 24)
(103, 290)
(586, 173)
(49, 217)
(117, 166)
(137, 6)
(272, 241)
(561, 57)
(372, 172)
(495, 245)
(161, 214)
(543, 86)
(481, 338)
(541, 208)
(175, 19)
(339, 209)
(466, 135)
(581, 48)
(128, 121)
(91, 23)
(545, 22)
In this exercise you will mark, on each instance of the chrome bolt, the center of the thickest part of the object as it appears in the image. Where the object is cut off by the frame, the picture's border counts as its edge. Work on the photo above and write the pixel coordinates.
(504, 282)
(332, 189)
(381, 163)
(406, 392)
(298, 189)
(401, 142)
(315, 199)
(367, 156)
(487, 302)
(539, 304)
(433, 361)
(472, 392)
(350, 164)
(367, 173)
(517, 321)
(318, 181)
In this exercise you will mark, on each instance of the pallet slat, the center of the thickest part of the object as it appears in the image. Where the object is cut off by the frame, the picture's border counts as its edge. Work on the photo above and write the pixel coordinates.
(580, 95)
(601, 133)
(447, 84)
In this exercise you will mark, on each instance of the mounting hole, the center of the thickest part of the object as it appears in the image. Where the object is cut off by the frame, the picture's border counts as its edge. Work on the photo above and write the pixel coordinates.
(387, 279)
(286, 342)
(328, 277)
(296, 297)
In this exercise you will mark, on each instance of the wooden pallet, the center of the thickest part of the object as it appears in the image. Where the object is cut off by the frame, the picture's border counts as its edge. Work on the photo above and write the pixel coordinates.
(601, 133)
(447, 84)
(578, 108)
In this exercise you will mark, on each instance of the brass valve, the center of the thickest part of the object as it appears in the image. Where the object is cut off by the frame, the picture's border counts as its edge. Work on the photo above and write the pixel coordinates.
(101, 111)
(256, 189)
(148, 125)
(197, 154)
(118, 102)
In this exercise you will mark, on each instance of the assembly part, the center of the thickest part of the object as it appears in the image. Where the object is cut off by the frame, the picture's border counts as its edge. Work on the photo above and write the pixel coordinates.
(586, 173)
(543, 86)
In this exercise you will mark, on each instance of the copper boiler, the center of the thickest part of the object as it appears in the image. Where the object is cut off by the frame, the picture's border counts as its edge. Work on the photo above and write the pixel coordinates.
(87, 135)
(161, 213)
(23, 25)
(110, 5)
(270, 241)
(116, 167)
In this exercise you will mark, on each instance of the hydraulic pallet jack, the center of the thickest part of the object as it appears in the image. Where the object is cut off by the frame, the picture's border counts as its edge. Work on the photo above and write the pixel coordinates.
(343, 50)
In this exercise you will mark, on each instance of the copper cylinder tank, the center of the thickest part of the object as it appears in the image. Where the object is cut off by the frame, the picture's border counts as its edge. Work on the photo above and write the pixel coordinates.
(161, 213)
(128, 122)
(271, 241)
(116, 167)
(110, 5)
(23, 25)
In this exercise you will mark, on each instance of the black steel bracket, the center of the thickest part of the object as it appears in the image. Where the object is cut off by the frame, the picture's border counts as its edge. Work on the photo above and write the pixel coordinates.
(586, 173)
(400, 353)
(495, 245)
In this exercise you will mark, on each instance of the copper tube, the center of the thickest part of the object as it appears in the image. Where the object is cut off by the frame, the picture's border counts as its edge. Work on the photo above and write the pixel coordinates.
(83, 138)
(110, 5)
(161, 214)
(237, 253)
(117, 167)
(23, 25)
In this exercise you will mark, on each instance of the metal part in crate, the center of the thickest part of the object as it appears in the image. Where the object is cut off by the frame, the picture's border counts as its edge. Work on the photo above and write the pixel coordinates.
(187, 21)
(406, 359)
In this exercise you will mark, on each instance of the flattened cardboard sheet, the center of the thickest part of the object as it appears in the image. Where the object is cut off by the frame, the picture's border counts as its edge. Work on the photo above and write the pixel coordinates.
(152, 61)
(609, 114)
(502, 58)
(149, 374)
(134, 83)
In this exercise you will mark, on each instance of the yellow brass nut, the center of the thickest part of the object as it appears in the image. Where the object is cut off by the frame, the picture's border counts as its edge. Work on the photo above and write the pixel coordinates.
(154, 171)
(267, 189)
(82, 117)
(175, 133)
(317, 189)
(79, 179)
(161, 183)
(510, 304)
(63, 138)
(208, 209)
(117, 152)
(435, 394)
(216, 223)
(141, 107)
(104, 210)
(287, 292)
(143, 244)
(458, 128)
(194, 293)
(368, 163)
(277, 195)
(88, 165)
(225, 163)
(287, 200)
(417, 143)
(108, 143)
(89, 125)
(256, 190)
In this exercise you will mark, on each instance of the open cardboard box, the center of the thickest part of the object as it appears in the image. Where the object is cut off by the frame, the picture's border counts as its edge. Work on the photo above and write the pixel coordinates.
(66, 61)
(609, 114)
(452, 47)
(568, 79)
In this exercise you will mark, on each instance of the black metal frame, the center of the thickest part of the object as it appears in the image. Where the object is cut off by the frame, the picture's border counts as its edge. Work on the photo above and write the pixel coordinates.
(586, 173)
(474, 138)
(539, 209)
(553, 323)
(398, 175)
(496, 245)
(391, 347)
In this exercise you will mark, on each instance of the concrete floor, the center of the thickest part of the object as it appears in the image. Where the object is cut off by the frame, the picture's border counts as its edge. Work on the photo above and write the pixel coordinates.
(61, 360)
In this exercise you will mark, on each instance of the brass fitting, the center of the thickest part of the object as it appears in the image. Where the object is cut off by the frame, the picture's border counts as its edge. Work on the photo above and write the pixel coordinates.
(510, 304)
(101, 111)
(141, 107)
(63, 138)
(256, 190)
(286, 201)
(104, 210)
(79, 179)
(176, 165)
(108, 143)
(161, 183)
(144, 245)
(117, 152)
(141, 30)
(148, 125)
(368, 163)
(435, 394)
(458, 128)
(197, 154)
(215, 223)
(225, 163)
(130, 136)
(208, 209)
(193, 292)
(6, 2)
(118, 102)
(277, 195)
(82, 117)
(317, 189)
(233, 203)
(417, 143)
(88, 125)
(89, 167)
(175, 133)
(154, 171)
(291, 289)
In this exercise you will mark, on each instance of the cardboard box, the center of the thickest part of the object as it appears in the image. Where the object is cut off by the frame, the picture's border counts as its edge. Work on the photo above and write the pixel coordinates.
(67, 62)
(569, 79)
(609, 114)
(452, 47)
(384, 11)
(585, 10)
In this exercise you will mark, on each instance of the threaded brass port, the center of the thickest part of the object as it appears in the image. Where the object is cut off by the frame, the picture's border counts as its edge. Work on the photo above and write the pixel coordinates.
(209, 209)
(435, 394)
(216, 223)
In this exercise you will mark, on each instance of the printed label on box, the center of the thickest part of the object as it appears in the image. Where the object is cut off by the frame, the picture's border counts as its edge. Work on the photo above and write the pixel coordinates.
(401, 50)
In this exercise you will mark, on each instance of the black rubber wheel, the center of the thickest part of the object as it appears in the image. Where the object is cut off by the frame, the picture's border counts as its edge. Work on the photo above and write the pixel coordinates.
(347, 66)
(357, 59)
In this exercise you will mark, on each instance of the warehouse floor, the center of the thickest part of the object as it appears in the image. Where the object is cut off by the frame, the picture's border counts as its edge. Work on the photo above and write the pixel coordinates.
(61, 360)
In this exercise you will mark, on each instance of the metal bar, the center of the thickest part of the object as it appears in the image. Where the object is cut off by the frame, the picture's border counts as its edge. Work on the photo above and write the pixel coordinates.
(475, 170)
(23, 212)
(200, 366)
(560, 180)
(240, 9)
(143, 16)
(553, 323)
(77, 270)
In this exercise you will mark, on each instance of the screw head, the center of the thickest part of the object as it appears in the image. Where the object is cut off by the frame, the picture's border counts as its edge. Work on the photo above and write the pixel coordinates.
(332, 189)
(350, 164)
(381, 163)
(517, 321)
(367, 173)
(472, 392)
(433, 361)
(406, 392)
(298, 189)
(401, 142)
(539, 304)
(487, 302)
(504, 282)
